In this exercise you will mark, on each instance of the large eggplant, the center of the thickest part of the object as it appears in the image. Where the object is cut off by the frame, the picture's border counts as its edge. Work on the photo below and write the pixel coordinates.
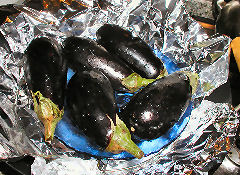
(81, 52)
(155, 109)
(92, 109)
(46, 75)
(132, 50)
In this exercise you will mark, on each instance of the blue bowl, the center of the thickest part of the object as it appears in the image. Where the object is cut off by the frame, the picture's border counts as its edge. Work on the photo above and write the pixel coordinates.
(75, 139)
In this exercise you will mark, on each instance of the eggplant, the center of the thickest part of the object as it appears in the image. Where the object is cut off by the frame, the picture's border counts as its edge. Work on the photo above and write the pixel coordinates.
(228, 20)
(132, 50)
(46, 76)
(158, 106)
(92, 109)
(110, 35)
(86, 53)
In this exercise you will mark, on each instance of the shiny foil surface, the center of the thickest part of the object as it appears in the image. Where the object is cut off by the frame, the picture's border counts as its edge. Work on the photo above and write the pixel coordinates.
(166, 27)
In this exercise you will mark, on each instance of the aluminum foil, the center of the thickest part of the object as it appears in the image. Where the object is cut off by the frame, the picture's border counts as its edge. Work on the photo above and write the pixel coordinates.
(196, 150)
(166, 27)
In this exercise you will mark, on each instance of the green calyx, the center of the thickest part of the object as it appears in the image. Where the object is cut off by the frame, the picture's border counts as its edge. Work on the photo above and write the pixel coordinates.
(48, 113)
(194, 80)
(121, 140)
(134, 81)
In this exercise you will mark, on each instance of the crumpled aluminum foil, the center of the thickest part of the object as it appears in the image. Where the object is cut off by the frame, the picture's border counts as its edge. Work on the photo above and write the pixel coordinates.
(196, 150)
(165, 26)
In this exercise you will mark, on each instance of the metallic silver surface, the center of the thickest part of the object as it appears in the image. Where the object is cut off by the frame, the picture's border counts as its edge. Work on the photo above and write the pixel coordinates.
(228, 167)
(165, 26)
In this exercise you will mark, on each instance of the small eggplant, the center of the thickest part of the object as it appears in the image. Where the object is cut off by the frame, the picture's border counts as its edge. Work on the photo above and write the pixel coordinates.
(155, 109)
(46, 75)
(92, 109)
(132, 50)
(81, 52)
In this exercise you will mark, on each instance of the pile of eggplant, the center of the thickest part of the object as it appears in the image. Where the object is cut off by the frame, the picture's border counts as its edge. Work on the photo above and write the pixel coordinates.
(115, 62)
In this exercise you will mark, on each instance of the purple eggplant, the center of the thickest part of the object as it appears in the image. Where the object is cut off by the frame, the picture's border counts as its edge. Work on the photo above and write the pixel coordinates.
(46, 75)
(92, 109)
(158, 106)
(86, 53)
(132, 50)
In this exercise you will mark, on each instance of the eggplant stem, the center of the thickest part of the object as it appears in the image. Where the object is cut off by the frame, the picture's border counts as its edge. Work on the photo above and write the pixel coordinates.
(48, 113)
(194, 80)
(121, 140)
(134, 81)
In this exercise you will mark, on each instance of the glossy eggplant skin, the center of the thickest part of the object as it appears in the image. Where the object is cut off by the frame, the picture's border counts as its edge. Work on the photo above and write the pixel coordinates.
(228, 20)
(86, 53)
(140, 58)
(91, 104)
(132, 50)
(156, 108)
(46, 69)
(110, 35)
(46, 76)
(92, 108)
